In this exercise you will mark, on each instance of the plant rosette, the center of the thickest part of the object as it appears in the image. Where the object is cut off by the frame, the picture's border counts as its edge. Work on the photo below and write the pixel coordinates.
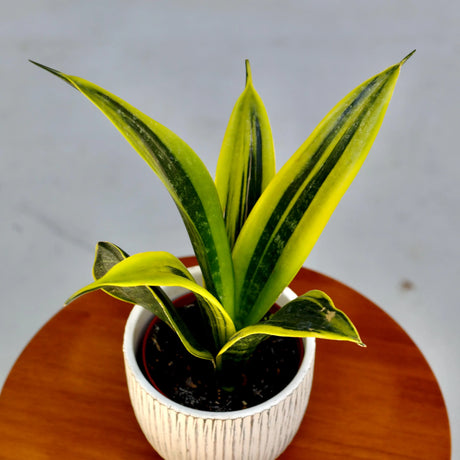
(251, 230)
(178, 432)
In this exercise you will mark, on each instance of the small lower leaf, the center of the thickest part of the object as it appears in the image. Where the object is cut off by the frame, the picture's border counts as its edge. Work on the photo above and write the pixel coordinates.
(152, 298)
(107, 256)
(163, 269)
(310, 315)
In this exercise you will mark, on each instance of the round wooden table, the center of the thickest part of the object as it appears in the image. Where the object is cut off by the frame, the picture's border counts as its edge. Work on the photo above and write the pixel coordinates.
(66, 396)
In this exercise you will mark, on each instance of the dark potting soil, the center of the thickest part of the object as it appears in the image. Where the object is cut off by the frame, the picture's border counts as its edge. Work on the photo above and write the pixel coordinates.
(193, 382)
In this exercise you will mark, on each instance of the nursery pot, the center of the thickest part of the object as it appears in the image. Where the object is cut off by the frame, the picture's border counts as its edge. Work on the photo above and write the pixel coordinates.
(176, 432)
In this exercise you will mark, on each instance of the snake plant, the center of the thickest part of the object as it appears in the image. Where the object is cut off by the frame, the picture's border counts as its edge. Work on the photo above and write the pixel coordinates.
(252, 228)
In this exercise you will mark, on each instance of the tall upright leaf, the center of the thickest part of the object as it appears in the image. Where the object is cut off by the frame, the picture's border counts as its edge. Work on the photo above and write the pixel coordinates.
(290, 215)
(184, 175)
(247, 158)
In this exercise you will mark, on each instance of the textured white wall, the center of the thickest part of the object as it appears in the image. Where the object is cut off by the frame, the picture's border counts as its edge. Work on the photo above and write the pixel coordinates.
(67, 178)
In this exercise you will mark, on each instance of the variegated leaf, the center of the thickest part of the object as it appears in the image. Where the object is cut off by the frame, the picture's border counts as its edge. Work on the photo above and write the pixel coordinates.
(247, 159)
(292, 212)
(184, 175)
(311, 315)
(152, 298)
(164, 269)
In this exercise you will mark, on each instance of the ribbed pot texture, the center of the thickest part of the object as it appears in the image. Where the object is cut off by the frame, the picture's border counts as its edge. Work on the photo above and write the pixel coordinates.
(177, 432)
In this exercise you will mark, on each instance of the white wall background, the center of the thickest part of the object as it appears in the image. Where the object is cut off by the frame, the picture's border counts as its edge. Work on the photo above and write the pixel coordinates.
(68, 179)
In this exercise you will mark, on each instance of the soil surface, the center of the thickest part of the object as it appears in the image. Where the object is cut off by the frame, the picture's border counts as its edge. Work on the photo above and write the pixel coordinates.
(193, 382)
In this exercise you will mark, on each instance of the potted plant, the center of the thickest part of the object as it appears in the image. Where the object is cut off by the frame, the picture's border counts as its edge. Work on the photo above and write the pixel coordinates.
(251, 230)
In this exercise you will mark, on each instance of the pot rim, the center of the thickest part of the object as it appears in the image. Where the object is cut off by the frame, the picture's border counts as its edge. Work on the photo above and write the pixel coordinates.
(137, 322)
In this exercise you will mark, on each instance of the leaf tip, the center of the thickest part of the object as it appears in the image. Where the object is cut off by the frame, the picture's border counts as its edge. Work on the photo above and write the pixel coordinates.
(45, 67)
(248, 72)
(407, 57)
(53, 71)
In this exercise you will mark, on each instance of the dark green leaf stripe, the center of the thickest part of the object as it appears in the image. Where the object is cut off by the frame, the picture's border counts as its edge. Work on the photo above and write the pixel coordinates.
(246, 161)
(185, 177)
(251, 186)
(254, 184)
(294, 209)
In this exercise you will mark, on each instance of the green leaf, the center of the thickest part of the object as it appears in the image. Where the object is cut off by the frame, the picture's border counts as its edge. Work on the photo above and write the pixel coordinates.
(292, 212)
(247, 159)
(152, 298)
(184, 175)
(311, 315)
(163, 269)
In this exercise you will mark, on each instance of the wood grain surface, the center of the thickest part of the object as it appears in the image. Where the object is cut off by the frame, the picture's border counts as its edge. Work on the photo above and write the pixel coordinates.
(66, 396)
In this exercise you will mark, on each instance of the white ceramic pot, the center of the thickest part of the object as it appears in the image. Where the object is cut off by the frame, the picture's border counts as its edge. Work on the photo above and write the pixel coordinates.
(177, 432)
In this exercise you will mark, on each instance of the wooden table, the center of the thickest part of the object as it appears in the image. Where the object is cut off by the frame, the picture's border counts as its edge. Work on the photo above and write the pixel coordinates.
(66, 397)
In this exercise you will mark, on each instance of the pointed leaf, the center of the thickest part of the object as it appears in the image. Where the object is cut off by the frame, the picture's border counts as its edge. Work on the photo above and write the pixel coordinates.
(184, 175)
(310, 315)
(292, 212)
(163, 269)
(247, 159)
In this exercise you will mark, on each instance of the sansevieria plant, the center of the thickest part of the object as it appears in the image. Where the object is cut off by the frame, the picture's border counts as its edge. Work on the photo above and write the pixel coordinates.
(251, 228)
